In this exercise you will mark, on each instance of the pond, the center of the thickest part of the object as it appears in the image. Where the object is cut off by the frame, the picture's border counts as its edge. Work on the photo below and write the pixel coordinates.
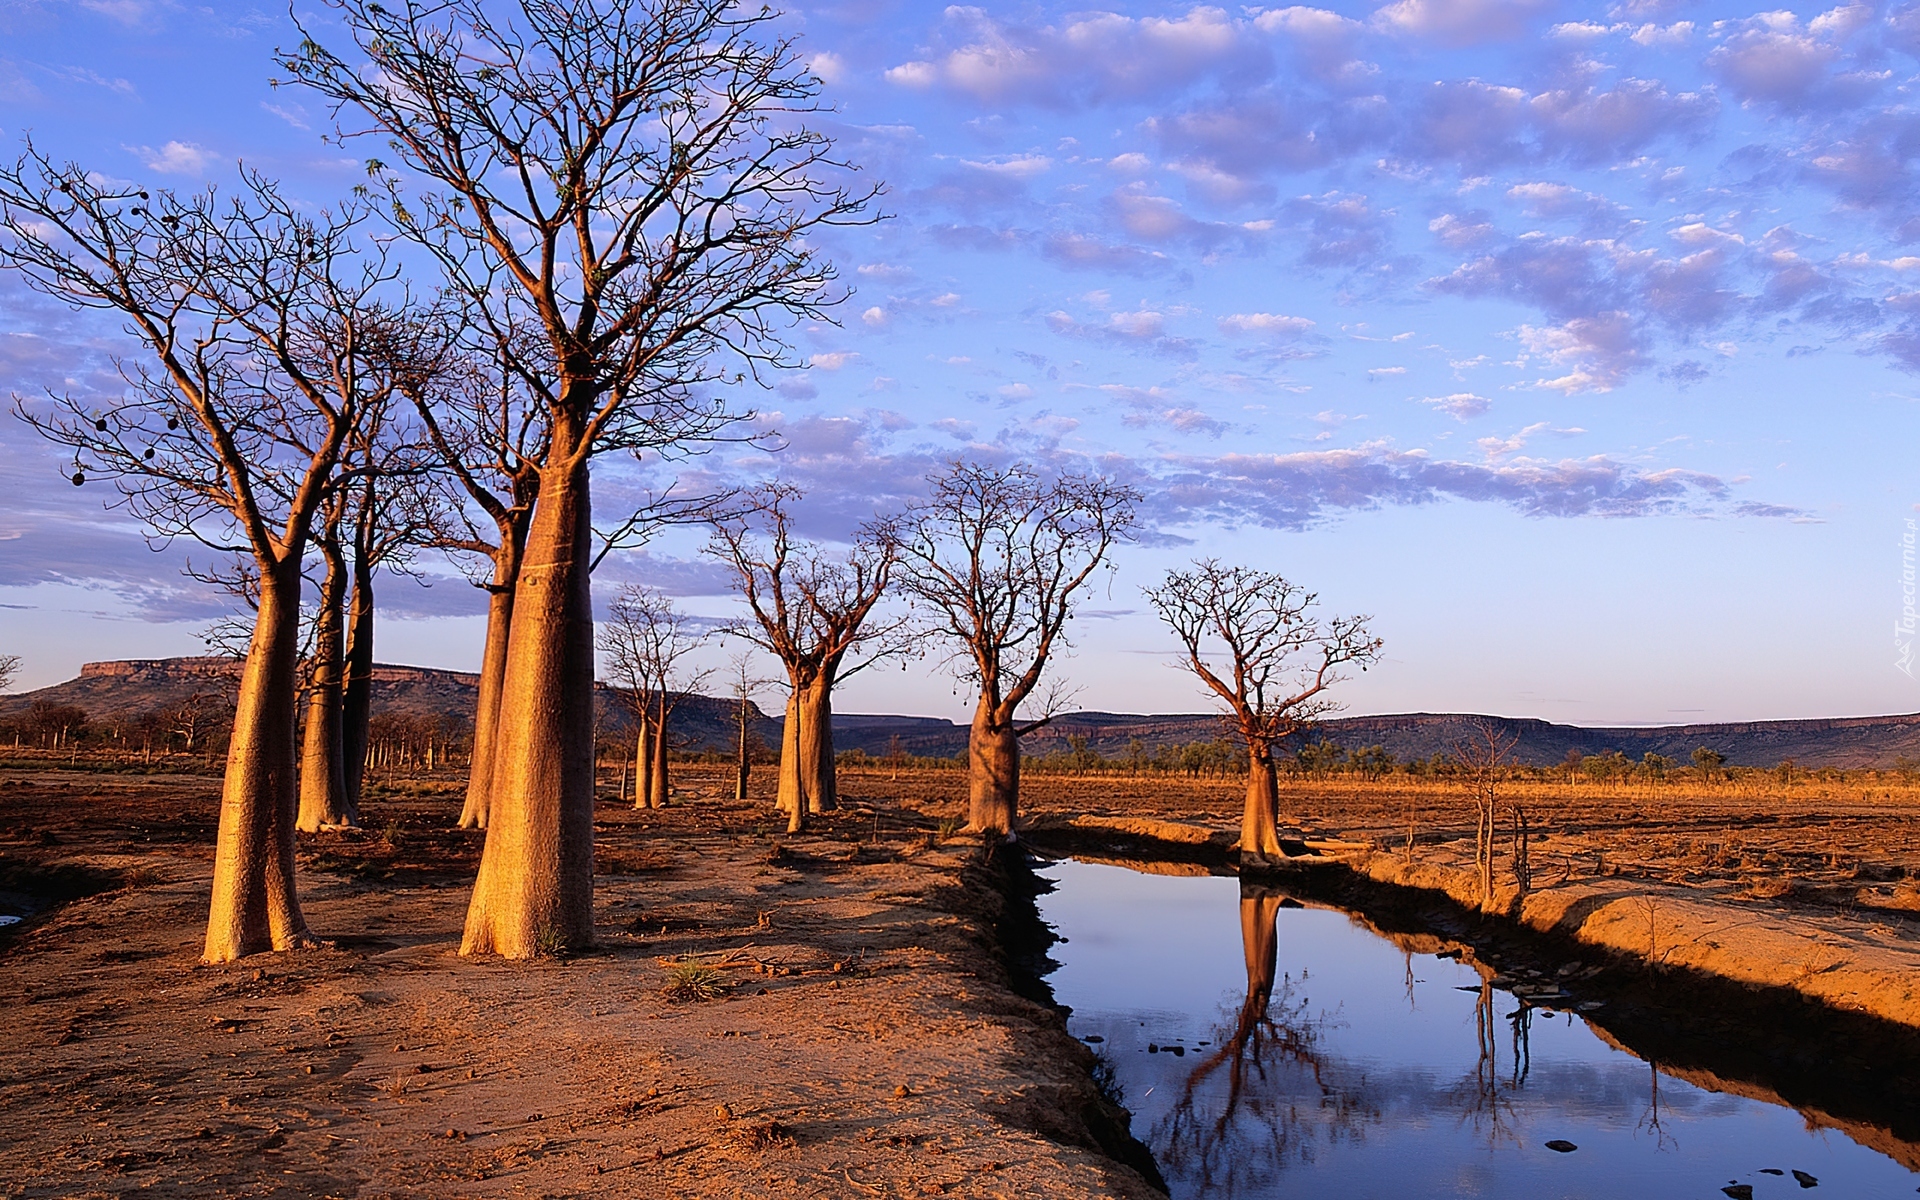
(1270, 1049)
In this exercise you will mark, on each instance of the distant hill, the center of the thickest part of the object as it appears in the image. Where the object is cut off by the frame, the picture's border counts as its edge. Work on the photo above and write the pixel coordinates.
(130, 687)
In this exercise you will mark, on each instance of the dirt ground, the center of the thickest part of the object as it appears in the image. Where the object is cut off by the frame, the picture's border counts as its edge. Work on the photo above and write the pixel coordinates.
(865, 1040)
(866, 1037)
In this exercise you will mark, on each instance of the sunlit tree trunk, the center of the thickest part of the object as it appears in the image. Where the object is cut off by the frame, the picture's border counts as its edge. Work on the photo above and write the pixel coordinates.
(323, 777)
(643, 762)
(993, 771)
(356, 705)
(493, 676)
(662, 786)
(1260, 819)
(534, 893)
(792, 792)
(743, 764)
(254, 904)
(815, 758)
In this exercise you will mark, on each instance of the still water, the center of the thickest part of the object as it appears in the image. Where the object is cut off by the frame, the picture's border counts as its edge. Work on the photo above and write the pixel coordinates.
(1362, 1070)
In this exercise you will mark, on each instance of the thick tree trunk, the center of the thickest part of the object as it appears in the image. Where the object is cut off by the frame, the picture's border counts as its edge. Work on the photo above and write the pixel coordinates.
(1260, 939)
(792, 792)
(534, 893)
(662, 786)
(356, 704)
(254, 905)
(993, 772)
(1260, 819)
(643, 763)
(816, 761)
(486, 715)
(323, 775)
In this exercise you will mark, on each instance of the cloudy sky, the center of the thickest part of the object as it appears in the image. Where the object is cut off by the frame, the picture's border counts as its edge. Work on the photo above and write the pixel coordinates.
(1573, 342)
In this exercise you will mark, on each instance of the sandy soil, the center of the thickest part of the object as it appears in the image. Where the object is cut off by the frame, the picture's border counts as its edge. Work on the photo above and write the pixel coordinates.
(868, 1042)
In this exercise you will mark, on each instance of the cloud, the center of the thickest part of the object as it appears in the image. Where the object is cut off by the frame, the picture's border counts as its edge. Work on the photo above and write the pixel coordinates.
(833, 360)
(1459, 22)
(1461, 406)
(175, 158)
(1295, 491)
(1597, 352)
(1142, 329)
(1272, 325)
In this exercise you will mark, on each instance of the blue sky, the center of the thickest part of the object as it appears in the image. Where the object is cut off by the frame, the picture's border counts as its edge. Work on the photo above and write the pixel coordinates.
(1574, 342)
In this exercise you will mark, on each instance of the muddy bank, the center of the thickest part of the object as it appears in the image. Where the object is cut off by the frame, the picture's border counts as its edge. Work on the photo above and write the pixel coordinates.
(861, 1031)
(1809, 1014)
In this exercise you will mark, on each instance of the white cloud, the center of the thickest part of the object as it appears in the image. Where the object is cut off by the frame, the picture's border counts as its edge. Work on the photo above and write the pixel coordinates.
(830, 67)
(833, 361)
(1460, 405)
(175, 158)
(875, 316)
(1273, 325)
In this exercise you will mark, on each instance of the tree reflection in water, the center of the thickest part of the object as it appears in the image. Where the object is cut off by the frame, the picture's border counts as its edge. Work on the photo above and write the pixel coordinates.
(1268, 1094)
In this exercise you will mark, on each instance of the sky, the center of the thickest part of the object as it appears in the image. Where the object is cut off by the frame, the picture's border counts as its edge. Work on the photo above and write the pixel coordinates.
(1575, 343)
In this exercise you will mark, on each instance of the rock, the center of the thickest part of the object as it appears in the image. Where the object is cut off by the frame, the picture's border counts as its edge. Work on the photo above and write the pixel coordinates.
(1177, 1051)
(1153, 1048)
(1739, 1191)
(1093, 1039)
(723, 1112)
(1771, 1171)
(901, 1092)
(1805, 1180)
(1561, 1146)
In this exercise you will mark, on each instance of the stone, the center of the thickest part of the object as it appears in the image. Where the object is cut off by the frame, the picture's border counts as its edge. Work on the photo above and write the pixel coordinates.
(1561, 1146)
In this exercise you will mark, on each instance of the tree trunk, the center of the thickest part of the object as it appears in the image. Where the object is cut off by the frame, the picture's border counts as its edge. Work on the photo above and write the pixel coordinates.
(792, 792)
(254, 905)
(816, 746)
(993, 772)
(1260, 819)
(743, 766)
(323, 777)
(662, 786)
(534, 893)
(1260, 940)
(486, 716)
(356, 703)
(643, 762)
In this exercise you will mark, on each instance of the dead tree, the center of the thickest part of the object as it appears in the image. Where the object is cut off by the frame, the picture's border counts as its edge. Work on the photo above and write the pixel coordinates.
(646, 642)
(626, 194)
(999, 557)
(811, 609)
(9, 667)
(744, 684)
(1253, 639)
(264, 340)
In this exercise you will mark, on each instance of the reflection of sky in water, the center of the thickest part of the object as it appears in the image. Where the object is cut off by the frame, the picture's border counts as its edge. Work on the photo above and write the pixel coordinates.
(1391, 1101)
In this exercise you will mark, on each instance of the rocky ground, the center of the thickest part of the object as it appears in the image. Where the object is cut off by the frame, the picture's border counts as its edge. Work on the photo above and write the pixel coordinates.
(822, 1015)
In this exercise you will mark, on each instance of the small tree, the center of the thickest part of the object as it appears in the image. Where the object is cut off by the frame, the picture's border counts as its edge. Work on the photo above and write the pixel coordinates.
(645, 641)
(9, 667)
(1484, 757)
(999, 557)
(1253, 639)
(808, 608)
(1708, 762)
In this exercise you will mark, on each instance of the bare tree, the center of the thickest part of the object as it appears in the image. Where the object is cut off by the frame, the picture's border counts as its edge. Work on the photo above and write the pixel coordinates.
(634, 182)
(810, 609)
(1484, 754)
(323, 779)
(744, 683)
(265, 337)
(1252, 637)
(999, 557)
(646, 642)
(9, 668)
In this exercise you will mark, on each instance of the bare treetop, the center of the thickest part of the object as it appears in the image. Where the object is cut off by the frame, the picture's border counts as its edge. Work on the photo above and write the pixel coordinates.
(639, 170)
(1251, 636)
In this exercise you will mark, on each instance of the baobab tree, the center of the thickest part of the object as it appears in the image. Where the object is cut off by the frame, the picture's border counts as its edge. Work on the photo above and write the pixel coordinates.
(1253, 638)
(646, 642)
(265, 339)
(999, 557)
(323, 774)
(626, 194)
(811, 609)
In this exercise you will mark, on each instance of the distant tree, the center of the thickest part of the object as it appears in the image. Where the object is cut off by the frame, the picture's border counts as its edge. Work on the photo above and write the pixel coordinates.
(1485, 756)
(1708, 761)
(646, 642)
(1373, 761)
(1253, 638)
(1656, 765)
(812, 609)
(9, 668)
(1137, 756)
(999, 558)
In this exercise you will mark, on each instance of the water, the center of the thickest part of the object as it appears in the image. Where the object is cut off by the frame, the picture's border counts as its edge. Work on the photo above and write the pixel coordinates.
(1369, 1072)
